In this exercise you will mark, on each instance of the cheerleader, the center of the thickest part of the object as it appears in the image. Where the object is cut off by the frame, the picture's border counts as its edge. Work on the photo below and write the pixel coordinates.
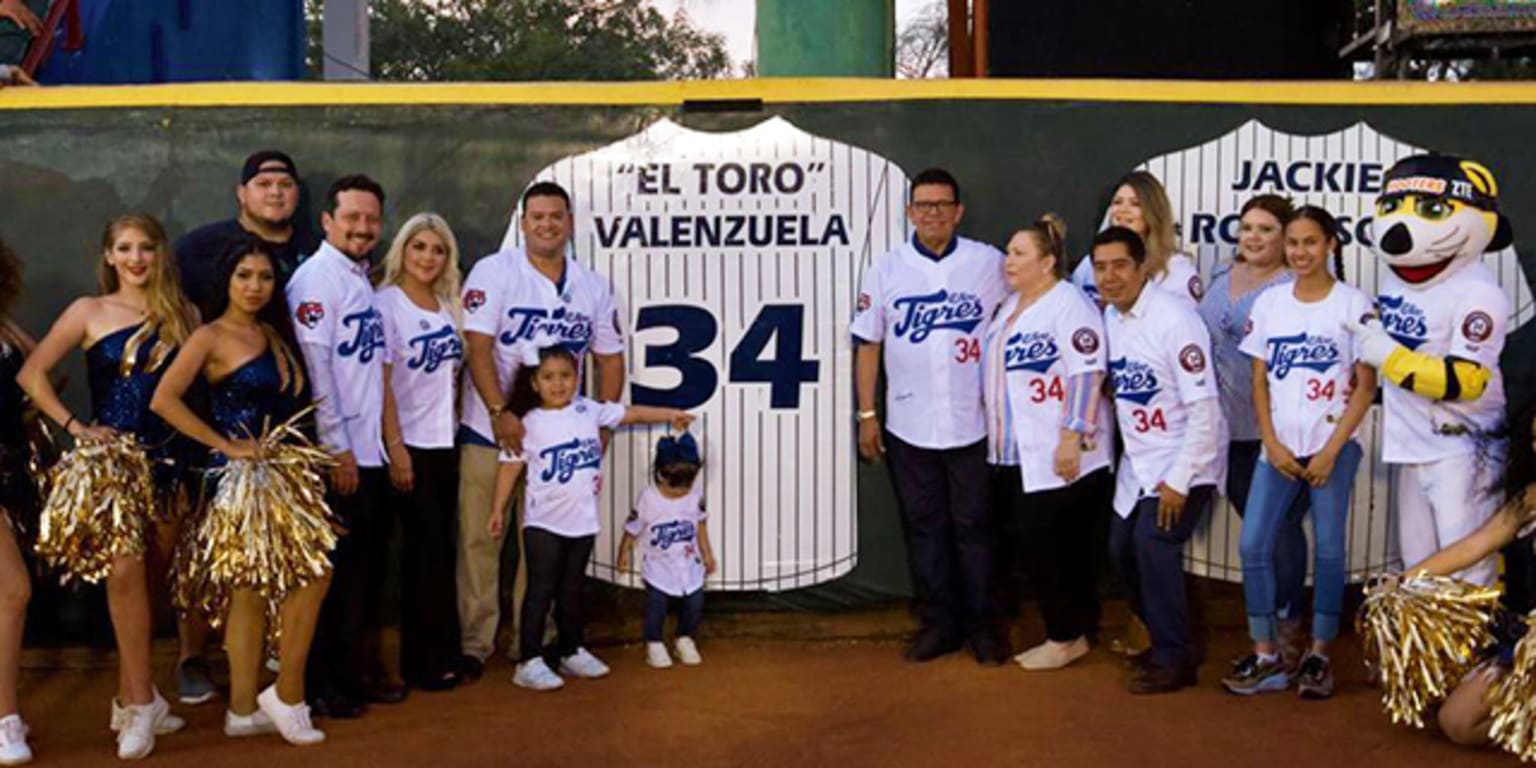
(1048, 435)
(129, 334)
(255, 381)
(17, 497)
(1141, 205)
(423, 352)
(1310, 395)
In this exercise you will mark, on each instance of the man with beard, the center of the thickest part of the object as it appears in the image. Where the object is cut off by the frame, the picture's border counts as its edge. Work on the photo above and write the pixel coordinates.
(342, 335)
(268, 194)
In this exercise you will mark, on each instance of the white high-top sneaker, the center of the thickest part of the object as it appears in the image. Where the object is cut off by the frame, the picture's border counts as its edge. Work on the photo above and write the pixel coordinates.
(656, 655)
(291, 720)
(140, 724)
(687, 652)
(13, 741)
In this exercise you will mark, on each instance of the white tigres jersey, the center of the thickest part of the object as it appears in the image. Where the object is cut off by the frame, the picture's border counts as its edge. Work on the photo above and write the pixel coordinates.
(1464, 316)
(1027, 365)
(1181, 281)
(930, 316)
(672, 559)
(424, 352)
(1160, 363)
(342, 336)
(564, 472)
(505, 296)
(1310, 358)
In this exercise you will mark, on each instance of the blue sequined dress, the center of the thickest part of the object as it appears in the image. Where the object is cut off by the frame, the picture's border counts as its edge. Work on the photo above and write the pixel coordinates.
(252, 399)
(121, 401)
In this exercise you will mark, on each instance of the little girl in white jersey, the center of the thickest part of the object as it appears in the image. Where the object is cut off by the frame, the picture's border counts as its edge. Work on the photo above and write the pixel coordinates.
(669, 518)
(563, 453)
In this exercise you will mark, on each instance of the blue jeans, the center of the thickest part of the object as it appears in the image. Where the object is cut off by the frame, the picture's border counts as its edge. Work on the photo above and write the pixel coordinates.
(1151, 565)
(657, 602)
(1290, 547)
(1268, 500)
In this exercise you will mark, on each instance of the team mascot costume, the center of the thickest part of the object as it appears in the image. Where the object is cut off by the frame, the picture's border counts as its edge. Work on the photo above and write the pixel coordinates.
(1443, 319)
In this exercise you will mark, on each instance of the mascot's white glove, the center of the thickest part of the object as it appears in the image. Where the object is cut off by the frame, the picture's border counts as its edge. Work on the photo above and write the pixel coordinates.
(1372, 343)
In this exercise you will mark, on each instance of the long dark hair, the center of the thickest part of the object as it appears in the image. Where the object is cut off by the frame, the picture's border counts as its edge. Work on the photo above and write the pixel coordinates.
(1330, 226)
(523, 398)
(275, 313)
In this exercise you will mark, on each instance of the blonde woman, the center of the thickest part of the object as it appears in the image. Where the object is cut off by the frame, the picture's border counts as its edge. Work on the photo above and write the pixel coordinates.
(128, 333)
(1141, 205)
(419, 299)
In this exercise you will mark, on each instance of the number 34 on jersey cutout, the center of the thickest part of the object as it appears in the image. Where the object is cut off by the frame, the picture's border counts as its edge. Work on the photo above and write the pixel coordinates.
(697, 329)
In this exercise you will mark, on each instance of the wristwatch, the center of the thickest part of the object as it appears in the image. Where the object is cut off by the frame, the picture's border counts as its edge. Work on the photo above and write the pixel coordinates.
(496, 410)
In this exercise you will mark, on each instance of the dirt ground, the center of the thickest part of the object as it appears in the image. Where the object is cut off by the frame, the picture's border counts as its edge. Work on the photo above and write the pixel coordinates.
(810, 701)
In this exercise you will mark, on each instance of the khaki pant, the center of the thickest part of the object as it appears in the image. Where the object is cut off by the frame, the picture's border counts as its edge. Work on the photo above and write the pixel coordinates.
(478, 566)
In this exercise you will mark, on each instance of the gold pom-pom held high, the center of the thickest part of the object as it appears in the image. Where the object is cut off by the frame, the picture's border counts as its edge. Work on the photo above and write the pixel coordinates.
(98, 510)
(1422, 636)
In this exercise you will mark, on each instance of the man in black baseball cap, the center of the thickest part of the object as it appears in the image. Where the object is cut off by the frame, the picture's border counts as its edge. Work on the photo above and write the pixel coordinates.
(268, 194)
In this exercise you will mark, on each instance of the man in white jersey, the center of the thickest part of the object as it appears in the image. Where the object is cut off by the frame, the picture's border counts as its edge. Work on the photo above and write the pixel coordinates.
(1443, 322)
(342, 336)
(923, 309)
(1170, 419)
(536, 294)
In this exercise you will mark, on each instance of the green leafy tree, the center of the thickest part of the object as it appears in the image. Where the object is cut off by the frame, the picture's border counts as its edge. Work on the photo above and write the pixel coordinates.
(530, 40)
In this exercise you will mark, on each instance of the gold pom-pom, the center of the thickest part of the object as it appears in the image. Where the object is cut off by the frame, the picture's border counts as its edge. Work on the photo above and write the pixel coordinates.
(1513, 700)
(266, 528)
(1422, 636)
(98, 508)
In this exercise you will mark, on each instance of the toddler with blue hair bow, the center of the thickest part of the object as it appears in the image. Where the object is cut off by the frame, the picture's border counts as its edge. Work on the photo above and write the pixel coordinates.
(669, 521)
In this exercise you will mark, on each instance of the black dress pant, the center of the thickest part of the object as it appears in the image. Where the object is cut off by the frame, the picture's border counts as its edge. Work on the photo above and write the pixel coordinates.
(556, 567)
(342, 655)
(945, 501)
(429, 616)
(1052, 532)
(1151, 563)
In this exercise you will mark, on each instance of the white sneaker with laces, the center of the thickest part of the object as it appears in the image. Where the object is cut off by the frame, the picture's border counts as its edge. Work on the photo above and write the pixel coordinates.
(583, 664)
(290, 720)
(536, 675)
(656, 655)
(13, 741)
(170, 724)
(687, 652)
(254, 724)
(140, 724)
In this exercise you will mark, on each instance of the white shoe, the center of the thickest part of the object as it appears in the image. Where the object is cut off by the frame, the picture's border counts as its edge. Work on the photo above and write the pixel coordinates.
(1052, 655)
(141, 722)
(170, 724)
(687, 652)
(254, 724)
(13, 741)
(656, 655)
(536, 675)
(290, 720)
(583, 664)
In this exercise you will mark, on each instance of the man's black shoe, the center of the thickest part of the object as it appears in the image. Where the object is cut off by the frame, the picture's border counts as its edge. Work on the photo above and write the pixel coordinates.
(932, 643)
(387, 693)
(470, 668)
(990, 648)
(1156, 678)
(336, 705)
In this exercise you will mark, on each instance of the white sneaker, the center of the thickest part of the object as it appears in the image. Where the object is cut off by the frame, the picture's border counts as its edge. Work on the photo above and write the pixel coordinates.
(13, 741)
(254, 724)
(141, 722)
(536, 675)
(170, 724)
(290, 720)
(583, 664)
(687, 652)
(656, 655)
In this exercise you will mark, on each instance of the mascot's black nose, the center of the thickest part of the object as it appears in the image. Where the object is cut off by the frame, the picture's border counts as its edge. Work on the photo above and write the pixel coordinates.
(1398, 240)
